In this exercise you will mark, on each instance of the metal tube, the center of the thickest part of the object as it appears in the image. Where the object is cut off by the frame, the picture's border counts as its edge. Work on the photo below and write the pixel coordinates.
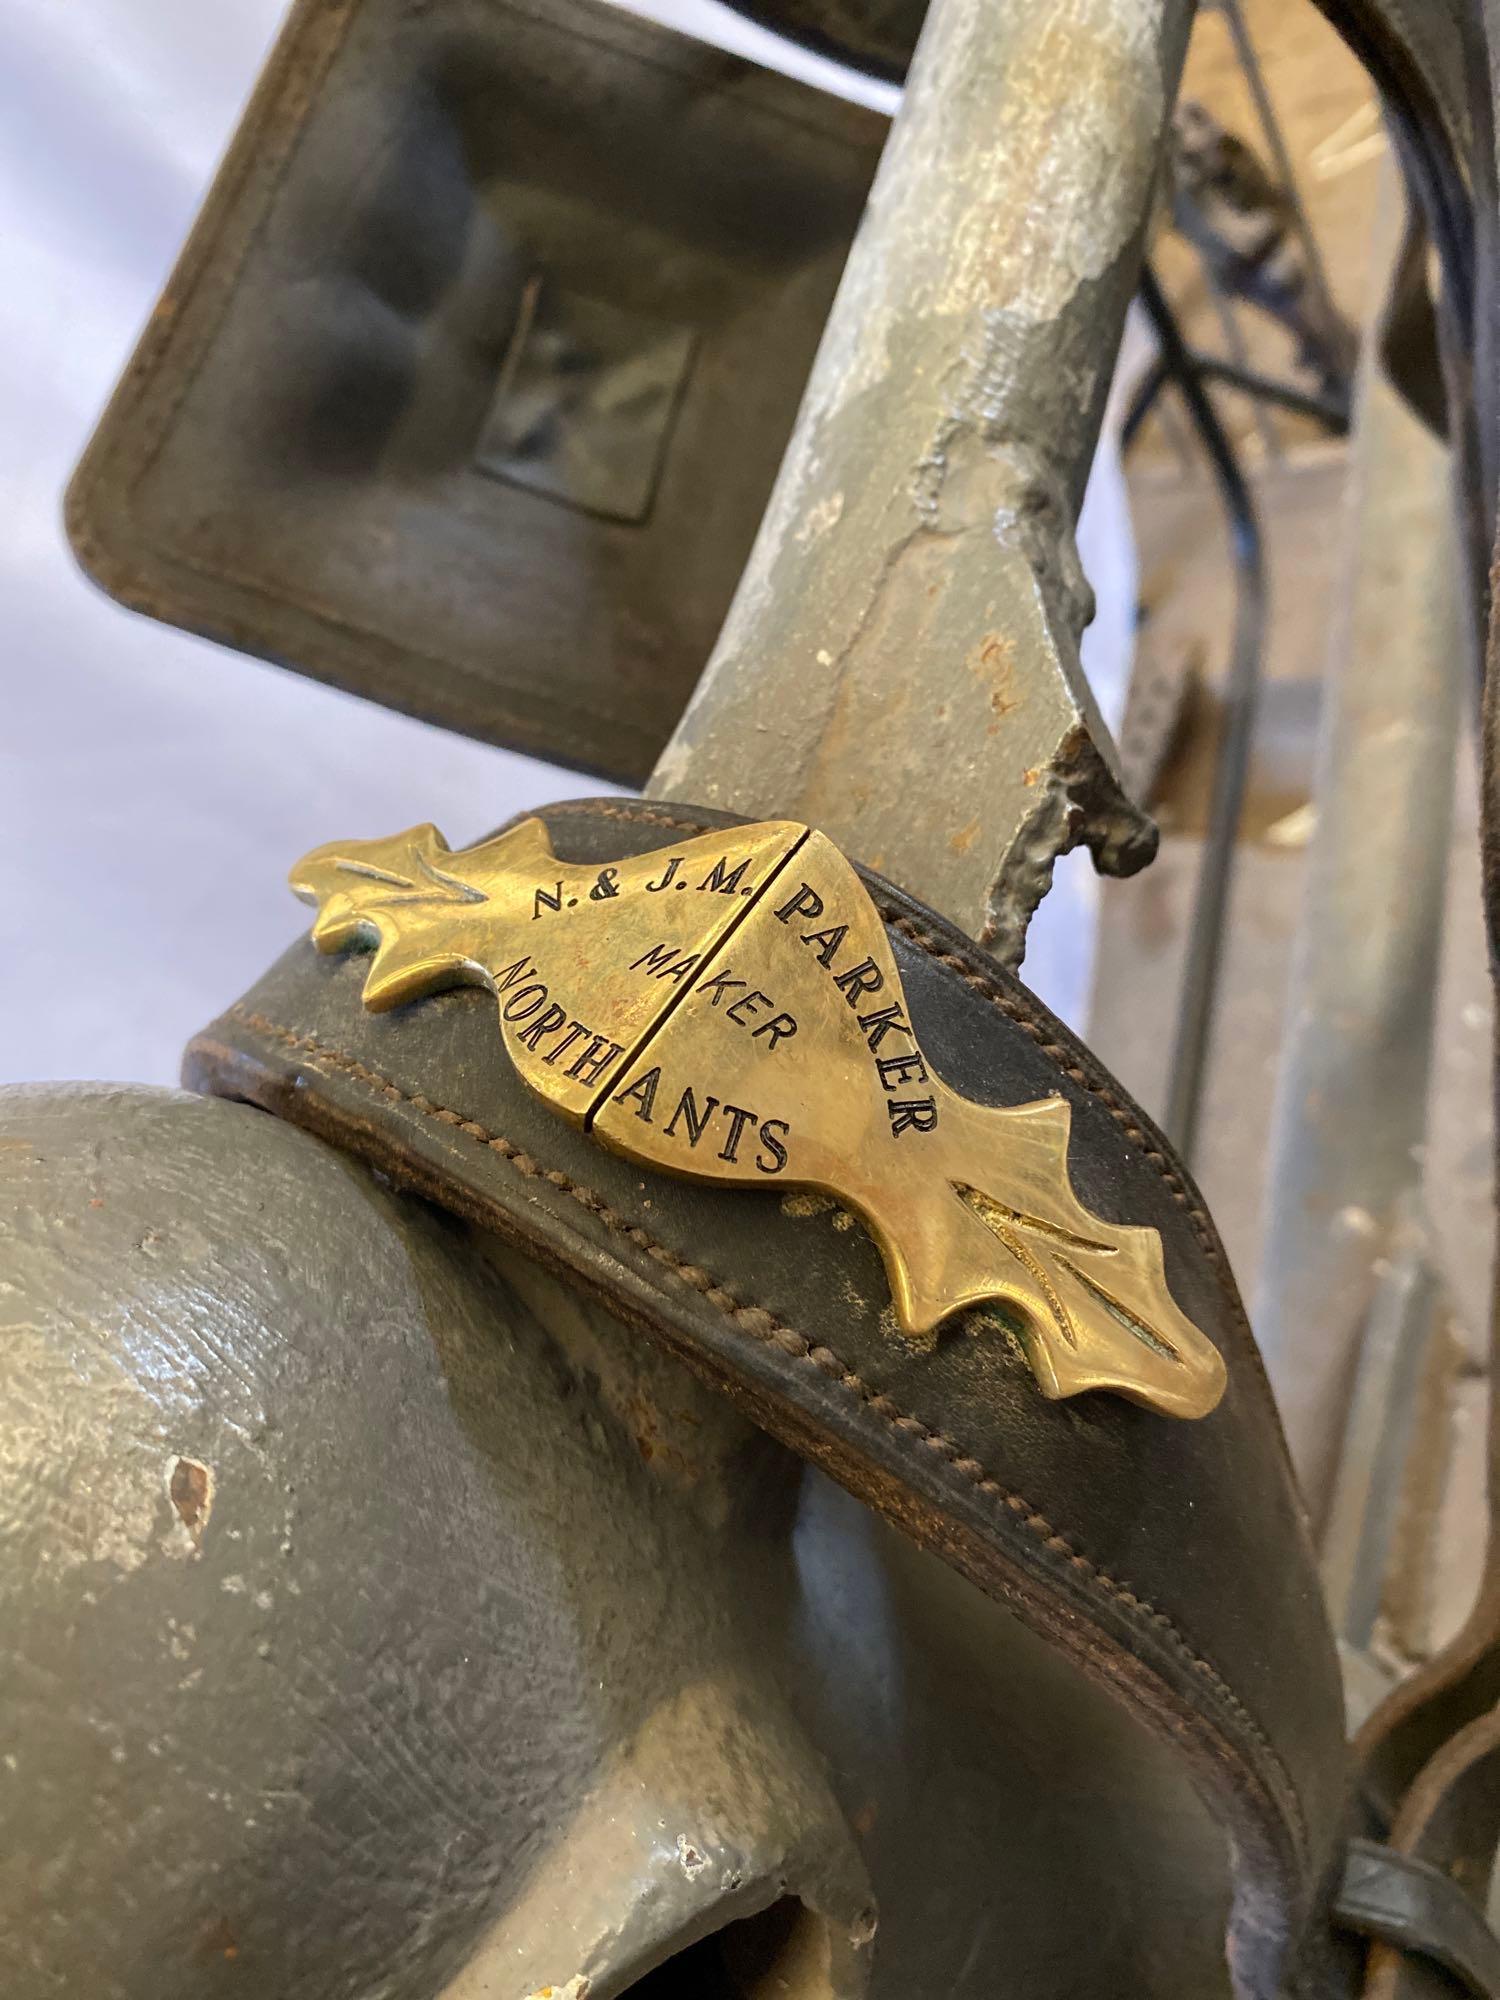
(1265, 388)
(1352, 1095)
(1324, 410)
(1239, 357)
(900, 664)
(1384, 1403)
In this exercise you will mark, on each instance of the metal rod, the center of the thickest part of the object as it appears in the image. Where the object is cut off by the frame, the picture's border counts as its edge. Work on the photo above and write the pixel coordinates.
(900, 665)
(1239, 357)
(1334, 417)
(1324, 410)
(1360, 1538)
(1270, 126)
(1351, 1097)
(1195, 1011)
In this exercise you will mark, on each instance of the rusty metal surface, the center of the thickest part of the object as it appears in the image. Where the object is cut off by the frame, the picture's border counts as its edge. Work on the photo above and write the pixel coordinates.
(900, 664)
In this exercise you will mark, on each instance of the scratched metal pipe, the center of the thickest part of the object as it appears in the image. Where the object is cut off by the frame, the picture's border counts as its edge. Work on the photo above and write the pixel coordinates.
(900, 664)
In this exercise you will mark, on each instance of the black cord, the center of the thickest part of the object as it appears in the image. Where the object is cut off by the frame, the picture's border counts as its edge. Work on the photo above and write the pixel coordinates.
(1200, 980)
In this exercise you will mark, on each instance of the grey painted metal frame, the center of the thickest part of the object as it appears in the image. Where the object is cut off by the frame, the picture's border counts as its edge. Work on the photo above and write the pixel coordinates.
(1352, 1096)
(900, 664)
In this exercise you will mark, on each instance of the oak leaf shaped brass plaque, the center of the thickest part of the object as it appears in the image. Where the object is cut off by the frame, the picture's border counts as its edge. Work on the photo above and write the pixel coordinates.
(729, 1009)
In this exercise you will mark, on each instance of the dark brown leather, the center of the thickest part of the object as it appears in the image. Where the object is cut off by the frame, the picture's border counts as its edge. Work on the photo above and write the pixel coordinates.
(1445, 1826)
(1169, 1559)
(1432, 1931)
(357, 439)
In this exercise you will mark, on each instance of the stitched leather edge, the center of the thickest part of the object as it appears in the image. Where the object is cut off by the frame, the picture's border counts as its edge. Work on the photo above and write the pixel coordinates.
(764, 1326)
(1014, 1010)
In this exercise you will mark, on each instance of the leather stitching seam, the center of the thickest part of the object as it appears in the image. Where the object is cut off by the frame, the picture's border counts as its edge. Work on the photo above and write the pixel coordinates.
(1007, 1004)
(1024, 1018)
(764, 1326)
(1015, 1011)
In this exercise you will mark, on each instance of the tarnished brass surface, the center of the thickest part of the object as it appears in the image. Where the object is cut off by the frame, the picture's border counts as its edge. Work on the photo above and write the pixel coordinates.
(730, 1009)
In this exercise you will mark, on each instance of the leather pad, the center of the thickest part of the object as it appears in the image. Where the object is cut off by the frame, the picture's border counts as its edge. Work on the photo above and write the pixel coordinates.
(469, 389)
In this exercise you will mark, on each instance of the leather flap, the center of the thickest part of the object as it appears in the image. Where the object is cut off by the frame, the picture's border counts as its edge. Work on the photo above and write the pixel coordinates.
(470, 387)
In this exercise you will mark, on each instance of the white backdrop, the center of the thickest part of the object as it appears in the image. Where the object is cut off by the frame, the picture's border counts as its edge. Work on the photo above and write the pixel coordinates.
(154, 789)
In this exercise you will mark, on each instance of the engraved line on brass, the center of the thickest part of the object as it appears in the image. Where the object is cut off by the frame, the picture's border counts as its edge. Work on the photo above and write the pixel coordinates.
(1157, 1342)
(687, 987)
(450, 889)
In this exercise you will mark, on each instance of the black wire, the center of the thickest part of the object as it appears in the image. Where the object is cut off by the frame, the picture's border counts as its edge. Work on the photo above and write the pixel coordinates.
(1200, 980)
(1332, 414)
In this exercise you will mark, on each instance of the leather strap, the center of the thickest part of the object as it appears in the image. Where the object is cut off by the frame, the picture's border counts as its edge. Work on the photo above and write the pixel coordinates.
(1423, 1913)
(1168, 1560)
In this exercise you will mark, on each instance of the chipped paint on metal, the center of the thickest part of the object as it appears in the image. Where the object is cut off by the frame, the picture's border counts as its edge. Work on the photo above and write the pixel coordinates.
(924, 516)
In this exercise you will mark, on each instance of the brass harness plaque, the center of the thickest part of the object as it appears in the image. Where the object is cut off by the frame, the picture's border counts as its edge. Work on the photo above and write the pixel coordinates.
(729, 1009)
